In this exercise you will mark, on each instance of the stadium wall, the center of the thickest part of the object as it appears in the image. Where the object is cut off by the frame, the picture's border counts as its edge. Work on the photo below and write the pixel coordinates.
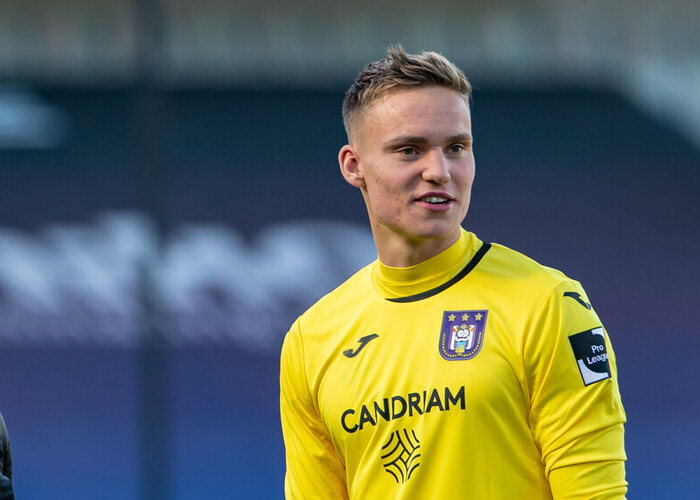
(254, 223)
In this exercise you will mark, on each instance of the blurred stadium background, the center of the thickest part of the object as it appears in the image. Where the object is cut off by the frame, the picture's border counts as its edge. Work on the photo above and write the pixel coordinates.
(170, 201)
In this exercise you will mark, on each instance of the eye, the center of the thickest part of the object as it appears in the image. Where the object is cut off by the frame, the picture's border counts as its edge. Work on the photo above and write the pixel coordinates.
(408, 151)
(456, 148)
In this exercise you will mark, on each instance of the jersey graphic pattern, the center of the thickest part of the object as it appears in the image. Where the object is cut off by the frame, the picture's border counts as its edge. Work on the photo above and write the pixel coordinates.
(400, 455)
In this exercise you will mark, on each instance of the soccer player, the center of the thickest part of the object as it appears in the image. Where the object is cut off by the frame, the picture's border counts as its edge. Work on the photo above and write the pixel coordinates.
(450, 367)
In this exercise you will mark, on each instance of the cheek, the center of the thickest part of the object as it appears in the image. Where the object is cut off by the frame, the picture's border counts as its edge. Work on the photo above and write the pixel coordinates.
(470, 171)
(386, 193)
(385, 187)
(465, 177)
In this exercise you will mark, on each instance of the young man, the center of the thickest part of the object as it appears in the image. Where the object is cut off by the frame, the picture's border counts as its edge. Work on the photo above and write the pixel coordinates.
(449, 368)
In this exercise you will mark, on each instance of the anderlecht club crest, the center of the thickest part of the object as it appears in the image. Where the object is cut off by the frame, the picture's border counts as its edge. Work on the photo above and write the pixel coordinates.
(462, 334)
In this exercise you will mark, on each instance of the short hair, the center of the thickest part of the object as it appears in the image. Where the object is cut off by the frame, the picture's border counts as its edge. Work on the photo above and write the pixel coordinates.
(400, 69)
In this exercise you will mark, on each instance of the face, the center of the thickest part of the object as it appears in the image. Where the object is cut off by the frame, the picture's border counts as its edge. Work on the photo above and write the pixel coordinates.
(411, 155)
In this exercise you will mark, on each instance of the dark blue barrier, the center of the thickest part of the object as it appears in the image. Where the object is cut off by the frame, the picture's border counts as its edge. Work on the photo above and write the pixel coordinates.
(579, 180)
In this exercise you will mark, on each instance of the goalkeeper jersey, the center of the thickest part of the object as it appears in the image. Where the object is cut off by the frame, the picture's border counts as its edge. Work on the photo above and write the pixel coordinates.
(478, 373)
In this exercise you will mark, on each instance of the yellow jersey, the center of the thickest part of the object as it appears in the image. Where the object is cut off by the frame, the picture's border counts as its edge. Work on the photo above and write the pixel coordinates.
(478, 373)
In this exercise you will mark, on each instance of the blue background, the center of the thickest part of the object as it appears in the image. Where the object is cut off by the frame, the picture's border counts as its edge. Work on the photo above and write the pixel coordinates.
(580, 180)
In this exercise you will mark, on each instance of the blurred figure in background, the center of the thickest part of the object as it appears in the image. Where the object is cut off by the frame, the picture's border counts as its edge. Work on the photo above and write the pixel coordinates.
(6, 490)
(450, 367)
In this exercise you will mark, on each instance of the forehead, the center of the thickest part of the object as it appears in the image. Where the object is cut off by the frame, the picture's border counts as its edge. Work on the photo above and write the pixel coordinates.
(421, 111)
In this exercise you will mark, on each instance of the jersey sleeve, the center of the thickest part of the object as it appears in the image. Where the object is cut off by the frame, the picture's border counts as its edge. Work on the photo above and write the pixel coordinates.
(576, 413)
(314, 470)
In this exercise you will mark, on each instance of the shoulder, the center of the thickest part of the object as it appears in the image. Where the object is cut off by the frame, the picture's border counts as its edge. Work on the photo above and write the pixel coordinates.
(336, 307)
(505, 264)
(350, 293)
(521, 280)
(317, 335)
(535, 292)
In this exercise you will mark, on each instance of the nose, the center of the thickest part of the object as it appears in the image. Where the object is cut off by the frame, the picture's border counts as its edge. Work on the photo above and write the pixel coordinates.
(436, 167)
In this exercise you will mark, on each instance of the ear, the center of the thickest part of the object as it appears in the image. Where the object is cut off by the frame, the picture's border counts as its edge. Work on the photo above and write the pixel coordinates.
(350, 166)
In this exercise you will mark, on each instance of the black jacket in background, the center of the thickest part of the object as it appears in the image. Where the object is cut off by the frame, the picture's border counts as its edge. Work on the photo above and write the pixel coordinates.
(6, 492)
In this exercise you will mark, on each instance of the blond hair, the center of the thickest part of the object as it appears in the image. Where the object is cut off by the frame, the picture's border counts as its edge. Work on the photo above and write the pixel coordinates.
(400, 69)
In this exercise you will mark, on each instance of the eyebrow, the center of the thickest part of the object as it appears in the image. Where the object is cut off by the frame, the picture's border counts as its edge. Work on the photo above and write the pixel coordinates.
(417, 139)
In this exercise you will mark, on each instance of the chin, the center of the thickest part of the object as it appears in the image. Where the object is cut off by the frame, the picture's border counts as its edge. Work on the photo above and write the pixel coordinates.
(433, 233)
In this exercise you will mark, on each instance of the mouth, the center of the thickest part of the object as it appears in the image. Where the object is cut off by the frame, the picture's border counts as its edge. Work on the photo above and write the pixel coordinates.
(436, 199)
(436, 202)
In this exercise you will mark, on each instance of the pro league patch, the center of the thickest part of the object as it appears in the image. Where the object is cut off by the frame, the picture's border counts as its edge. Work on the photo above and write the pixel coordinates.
(591, 355)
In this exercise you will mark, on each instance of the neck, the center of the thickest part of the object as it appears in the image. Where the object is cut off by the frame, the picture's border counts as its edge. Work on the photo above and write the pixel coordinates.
(396, 250)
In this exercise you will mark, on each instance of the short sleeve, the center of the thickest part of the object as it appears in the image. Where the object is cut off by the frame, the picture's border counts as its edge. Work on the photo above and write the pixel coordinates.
(314, 470)
(576, 413)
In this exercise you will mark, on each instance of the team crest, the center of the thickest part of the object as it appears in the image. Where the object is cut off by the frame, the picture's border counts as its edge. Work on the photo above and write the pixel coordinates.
(462, 334)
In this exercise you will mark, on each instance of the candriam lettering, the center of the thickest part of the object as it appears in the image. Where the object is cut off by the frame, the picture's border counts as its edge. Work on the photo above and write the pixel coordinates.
(394, 407)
